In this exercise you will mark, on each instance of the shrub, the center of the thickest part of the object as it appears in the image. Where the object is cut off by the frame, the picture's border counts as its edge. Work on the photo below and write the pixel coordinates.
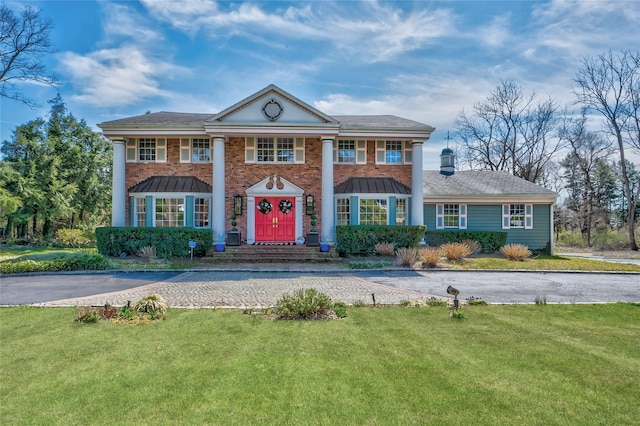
(476, 301)
(429, 256)
(154, 305)
(146, 251)
(610, 239)
(87, 315)
(86, 262)
(455, 251)
(407, 256)
(126, 312)
(516, 251)
(340, 309)
(473, 245)
(385, 249)
(491, 241)
(304, 304)
(112, 241)
(75, 238)
(361, 239)
(456, 314)
(434, 302)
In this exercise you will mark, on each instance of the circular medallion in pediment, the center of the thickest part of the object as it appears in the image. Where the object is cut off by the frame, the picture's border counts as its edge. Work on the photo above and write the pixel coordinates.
(272, 110)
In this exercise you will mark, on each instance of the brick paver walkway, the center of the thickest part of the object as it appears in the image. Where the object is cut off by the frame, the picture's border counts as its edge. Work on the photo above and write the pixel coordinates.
(228, 289)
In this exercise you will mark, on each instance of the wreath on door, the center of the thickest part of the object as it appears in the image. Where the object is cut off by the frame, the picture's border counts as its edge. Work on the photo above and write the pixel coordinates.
(285, 206)
(264, 206)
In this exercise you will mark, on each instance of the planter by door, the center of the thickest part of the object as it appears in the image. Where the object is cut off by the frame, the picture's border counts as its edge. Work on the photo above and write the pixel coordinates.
(233, 238)
(312, 239)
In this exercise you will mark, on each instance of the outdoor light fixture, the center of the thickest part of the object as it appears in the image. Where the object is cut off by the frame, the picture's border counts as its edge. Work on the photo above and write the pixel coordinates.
(311, 206)
(237, 204)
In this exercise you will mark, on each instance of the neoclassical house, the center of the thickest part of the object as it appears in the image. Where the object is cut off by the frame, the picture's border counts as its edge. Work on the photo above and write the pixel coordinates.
(271, 160)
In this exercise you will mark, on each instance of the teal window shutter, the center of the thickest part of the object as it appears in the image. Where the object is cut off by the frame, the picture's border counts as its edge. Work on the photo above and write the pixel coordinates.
(150, 210)
(132, 208)
(353, 210)
(189, 211)
(391, 217)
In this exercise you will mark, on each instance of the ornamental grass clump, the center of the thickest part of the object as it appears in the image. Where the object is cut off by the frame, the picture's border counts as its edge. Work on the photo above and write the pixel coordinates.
(429, 256)
(153, 305)
(516, 252)
(147, 252)
(473, 245)
(456, 251)
(385, 249)
(304, 304)
(407, 256)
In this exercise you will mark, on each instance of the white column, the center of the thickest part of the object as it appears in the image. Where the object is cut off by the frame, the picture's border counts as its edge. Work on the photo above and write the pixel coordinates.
(218, 208)
(551, 230)
(327, 226)
(118, 184)
(417, 191)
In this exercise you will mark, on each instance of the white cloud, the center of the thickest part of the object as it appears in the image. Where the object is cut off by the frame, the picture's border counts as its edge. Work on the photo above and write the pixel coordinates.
(366, 30)
(497, 33)
(122, 22)
(573, 29)
(116, 77)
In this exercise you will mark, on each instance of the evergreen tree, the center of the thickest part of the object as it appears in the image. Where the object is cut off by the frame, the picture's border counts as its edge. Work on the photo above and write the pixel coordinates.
(60, 171)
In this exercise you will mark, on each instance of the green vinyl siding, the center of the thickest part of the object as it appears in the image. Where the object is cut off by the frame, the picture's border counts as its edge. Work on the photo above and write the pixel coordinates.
(489, 218)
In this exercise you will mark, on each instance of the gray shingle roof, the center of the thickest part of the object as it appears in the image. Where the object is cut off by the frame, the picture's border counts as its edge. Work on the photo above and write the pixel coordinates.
(379, 121)
(171, 184)
(480, 183)
(162, 118)
(165, 118)
(369, 185)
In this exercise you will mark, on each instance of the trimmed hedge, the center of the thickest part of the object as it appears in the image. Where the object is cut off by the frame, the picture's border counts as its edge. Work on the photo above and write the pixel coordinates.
(86, 262)
(491, 241)
(113, 241)
(361, 239)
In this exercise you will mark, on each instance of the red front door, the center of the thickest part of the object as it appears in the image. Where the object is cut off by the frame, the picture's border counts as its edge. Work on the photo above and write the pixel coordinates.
(275, 220)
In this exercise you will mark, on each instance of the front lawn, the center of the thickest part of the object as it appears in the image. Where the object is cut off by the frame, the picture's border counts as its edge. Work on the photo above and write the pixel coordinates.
(536, 364)
(544, 262)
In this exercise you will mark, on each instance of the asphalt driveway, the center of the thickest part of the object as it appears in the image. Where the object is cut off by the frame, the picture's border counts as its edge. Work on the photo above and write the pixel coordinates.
(230, 288)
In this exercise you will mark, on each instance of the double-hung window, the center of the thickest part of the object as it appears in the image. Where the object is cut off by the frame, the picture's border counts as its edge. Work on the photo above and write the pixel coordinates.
(451, 216)
(401, 211)
(201, 213)
(141, 212)
(346, 151)
(200, 150)
(343, 211)
(274, 150)
(350, 151)
(373, 211)
(169, 212)
(516, 216)
(147, 149)
(393, 152)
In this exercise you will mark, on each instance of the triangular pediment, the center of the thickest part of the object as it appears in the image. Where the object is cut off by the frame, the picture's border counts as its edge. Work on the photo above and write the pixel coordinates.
(271, 105)
(274, 185)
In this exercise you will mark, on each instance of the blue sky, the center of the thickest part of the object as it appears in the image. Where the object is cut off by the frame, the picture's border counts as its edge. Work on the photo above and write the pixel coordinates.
(423, 60)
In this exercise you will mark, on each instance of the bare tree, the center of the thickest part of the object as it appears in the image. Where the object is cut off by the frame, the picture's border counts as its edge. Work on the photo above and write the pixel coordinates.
(510, 131)
(24, 39)
(610, 85)
(588, 152)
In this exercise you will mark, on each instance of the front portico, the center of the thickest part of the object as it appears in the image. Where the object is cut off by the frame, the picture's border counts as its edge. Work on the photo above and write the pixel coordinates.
(274, 211)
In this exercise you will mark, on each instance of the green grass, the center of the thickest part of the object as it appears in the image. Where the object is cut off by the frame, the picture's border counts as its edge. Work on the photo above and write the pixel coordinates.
(15, 253)
(552, 364)
(545, 262)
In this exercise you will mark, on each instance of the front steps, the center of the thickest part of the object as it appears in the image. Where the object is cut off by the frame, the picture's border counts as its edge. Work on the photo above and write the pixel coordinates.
(271, 253)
